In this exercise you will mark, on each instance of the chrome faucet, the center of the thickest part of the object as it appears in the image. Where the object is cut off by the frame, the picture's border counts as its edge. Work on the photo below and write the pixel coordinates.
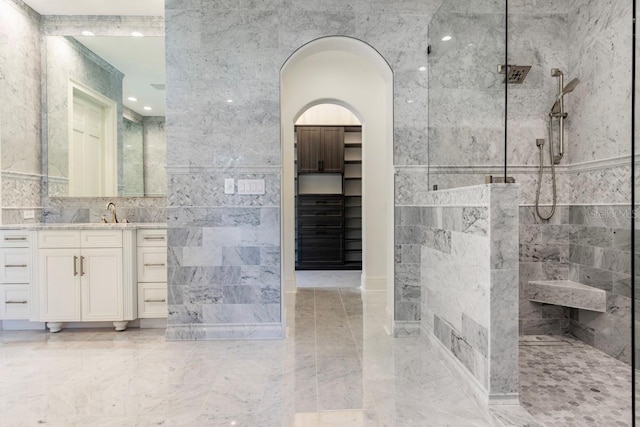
(112, 208)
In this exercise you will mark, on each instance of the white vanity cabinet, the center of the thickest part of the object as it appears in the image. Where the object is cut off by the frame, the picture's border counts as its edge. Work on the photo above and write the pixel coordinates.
(152, 273)
(82, 277)
(16, 267)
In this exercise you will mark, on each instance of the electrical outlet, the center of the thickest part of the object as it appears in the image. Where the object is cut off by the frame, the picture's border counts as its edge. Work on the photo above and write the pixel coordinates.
(28, 214)
(229, 186)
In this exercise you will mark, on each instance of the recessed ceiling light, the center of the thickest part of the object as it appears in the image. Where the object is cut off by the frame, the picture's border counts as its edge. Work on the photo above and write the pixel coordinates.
(410, 101)
(423, 68)
(137, 34)
(88, 33)
(229, 101)
(146, 107)
(446, 38)
(132, 98)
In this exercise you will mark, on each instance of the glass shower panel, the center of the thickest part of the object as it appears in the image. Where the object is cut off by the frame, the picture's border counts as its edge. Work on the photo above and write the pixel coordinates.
(580, 56)
(466, 93)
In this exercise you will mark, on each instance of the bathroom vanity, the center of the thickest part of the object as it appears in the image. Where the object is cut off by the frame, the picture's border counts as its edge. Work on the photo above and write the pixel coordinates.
(59, 273)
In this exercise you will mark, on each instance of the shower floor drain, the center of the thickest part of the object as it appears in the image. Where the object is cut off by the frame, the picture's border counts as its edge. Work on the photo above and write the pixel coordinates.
(543, 340)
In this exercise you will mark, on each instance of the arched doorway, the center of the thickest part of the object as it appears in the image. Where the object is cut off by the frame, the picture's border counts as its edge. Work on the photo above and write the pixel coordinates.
(347, 72)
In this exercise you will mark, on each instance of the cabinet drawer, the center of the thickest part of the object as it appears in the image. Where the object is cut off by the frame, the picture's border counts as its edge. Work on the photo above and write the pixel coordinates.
(58, 239)
(308, 201)
(15, 265)
(320, 224)
(152, 265)
(319, 212)
(15, 239)
(14, 302)
(101, 238)
(152, 238)
(152, 300)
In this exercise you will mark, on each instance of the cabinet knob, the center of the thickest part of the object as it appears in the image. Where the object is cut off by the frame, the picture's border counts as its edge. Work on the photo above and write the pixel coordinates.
(75, 264)
(155, 265)
(16, 302)
(15, 265)
(155, 300)
(12, 239)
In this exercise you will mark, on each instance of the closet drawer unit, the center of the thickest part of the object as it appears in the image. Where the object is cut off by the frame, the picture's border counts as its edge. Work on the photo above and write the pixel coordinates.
(152, 300)
(152, 238)
(152, 264)
(15, 265)
(15, 302)
(15, 239)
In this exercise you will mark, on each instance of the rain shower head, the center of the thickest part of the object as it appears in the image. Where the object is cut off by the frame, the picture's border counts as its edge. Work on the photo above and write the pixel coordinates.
(514, 74)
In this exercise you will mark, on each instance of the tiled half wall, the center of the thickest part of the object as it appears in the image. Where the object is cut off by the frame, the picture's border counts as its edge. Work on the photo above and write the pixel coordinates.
(457, 252)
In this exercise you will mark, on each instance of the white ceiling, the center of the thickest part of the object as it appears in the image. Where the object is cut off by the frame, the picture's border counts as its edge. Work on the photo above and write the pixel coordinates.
(98, 7)
(141, 59)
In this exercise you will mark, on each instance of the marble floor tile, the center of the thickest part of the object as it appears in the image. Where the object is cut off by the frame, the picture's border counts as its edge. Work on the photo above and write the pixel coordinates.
(569, 383)
(337, 367)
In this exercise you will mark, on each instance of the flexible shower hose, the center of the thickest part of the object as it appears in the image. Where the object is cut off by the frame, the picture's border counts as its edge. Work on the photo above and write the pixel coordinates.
(541, 173)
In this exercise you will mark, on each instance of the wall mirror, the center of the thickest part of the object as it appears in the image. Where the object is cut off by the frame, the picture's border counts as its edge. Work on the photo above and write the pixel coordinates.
(105, 106)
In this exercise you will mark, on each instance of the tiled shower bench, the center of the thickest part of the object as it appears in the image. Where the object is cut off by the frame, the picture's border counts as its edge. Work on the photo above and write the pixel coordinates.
(568, 293)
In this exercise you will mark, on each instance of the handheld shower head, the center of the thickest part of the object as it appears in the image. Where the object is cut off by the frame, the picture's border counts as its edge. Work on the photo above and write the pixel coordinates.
(567, 89)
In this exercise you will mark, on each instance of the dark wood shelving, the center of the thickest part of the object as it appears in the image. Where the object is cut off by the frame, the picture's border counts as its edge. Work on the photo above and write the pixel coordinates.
(328, 232)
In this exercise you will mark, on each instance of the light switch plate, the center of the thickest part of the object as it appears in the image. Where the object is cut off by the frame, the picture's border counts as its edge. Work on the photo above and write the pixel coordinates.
(229, 186)
(251, 186)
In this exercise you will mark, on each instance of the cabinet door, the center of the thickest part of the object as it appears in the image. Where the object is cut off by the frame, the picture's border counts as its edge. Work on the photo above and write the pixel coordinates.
(309, 146)
(59, 285)
(102, 290)
(332, 160)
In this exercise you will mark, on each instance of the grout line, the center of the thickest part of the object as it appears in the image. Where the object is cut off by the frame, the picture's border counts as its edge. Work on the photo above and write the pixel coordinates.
(315, 348)
(353, 338)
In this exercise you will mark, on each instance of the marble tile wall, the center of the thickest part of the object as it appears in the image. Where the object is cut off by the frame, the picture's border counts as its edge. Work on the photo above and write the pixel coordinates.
(235, 50)
(466, 95)
(468, 278)
(224, 262)
(20, 109)
(133, 156)
(589, 245)
(155, 157)
(91, 209)
(600, 256)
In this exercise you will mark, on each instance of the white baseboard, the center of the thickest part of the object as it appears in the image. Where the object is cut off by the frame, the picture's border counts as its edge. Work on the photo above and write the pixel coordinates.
(290, 285)
(373, 283)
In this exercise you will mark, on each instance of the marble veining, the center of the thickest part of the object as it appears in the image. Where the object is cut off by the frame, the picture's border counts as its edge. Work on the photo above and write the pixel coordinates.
(336, 367)
(469, 285)
(568, 293)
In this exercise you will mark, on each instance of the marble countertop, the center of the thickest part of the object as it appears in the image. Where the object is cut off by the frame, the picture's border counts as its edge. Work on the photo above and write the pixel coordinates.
(85, 226)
